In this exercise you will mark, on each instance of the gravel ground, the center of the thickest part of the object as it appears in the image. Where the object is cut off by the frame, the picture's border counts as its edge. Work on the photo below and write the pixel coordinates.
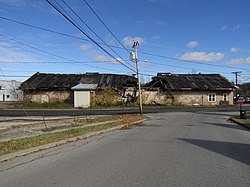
(11, 128)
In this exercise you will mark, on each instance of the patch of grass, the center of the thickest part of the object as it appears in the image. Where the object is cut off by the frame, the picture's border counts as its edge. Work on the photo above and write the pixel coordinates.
(28, 142)
(58, 105)
(96, 120)
(245, 122)
(81, 122)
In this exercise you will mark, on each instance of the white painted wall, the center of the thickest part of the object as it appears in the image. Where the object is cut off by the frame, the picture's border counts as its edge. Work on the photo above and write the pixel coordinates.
(9, 90)
(82, 99)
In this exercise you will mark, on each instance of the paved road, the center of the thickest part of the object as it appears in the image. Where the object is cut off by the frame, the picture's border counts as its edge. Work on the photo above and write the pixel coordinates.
(72, 112)
(171, 149)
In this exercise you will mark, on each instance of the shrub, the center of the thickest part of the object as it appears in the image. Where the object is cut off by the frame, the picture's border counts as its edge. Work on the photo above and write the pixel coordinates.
(106, 97)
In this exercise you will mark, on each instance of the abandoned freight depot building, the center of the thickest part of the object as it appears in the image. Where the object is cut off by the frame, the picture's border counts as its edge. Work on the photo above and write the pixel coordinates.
(164, 89)
(190, 89)
(76, 88)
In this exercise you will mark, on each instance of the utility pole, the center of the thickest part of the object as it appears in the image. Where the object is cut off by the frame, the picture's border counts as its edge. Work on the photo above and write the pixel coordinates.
(236, 73)
(135, 57)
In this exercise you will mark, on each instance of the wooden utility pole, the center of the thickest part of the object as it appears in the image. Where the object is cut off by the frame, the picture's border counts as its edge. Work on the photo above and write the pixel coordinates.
(135, 57)
(236, 73)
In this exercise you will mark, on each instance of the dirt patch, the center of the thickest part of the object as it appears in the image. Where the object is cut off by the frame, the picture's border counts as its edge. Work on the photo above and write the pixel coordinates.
(13, 128)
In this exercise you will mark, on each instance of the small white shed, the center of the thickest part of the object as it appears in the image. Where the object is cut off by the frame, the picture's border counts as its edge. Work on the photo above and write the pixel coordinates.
(82, 94)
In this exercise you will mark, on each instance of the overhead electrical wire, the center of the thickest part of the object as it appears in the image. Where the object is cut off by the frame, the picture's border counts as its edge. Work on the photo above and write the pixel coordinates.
(75, 25)
(142, 52)
(180, 67)
(14, 76)
(32, 47)
(84, 62)
(189, 61)
(117, 47)
(52, 31)
(95, 33)
(44, 29)
(11, 70)
(52, 54)
(98, 17)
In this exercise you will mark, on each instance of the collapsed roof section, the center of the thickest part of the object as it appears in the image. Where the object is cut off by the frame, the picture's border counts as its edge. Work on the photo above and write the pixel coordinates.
(44, 81)
(168, 81)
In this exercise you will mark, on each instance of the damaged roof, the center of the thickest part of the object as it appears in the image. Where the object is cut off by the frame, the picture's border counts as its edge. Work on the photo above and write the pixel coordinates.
(44, 81)
(168, 81)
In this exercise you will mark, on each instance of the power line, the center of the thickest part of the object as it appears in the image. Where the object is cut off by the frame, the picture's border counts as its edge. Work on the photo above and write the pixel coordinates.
(52, 31)
(44, 29)
(41, 50)
(84, 62)
(52, 54)
(98, 17)
(180, 67)
(143, 52)
(189, 61)
(14, 76)
(95, 33)
(78, 62)
(75, 25)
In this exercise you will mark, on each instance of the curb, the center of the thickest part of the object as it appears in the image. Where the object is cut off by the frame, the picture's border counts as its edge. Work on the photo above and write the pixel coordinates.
(25, 152)
(239, 123)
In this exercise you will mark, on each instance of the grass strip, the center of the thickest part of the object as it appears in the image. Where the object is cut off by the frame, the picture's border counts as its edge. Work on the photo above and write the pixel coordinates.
(245, 121)
(28, 142)
(58, 105)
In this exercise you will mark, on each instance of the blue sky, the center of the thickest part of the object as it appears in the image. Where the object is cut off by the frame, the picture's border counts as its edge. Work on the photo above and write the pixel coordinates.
(177, 36)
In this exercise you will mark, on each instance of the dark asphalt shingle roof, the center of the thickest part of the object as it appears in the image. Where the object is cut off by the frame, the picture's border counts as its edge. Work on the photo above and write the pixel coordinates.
(44, 81)
(190, 82)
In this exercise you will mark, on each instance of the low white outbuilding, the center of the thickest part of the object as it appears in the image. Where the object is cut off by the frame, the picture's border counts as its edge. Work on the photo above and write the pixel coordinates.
(82, 94)
(9, 90)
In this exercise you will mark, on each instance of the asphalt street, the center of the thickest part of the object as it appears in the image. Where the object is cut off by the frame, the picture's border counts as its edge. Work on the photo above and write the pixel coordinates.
(170, 149)
(116, 111)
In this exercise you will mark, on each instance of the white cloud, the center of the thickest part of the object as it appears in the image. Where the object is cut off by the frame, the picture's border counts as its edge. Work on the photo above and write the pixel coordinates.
(192, 44)
(224, 27)
(94, 54)
(8, 53)
(99, 57)
(236, 27)
(239, 61)
(128, 41)
(85, 47)
(203, 57)
(234, 50)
